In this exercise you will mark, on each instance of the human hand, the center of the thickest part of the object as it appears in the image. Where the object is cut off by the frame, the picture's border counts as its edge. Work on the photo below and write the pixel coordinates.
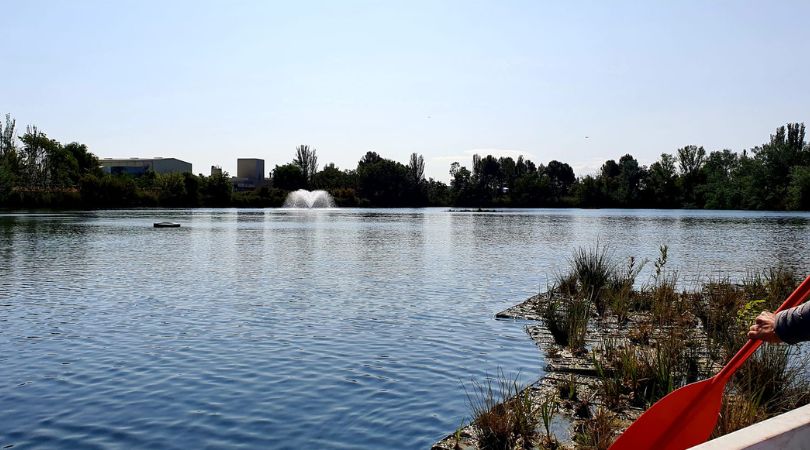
(764, 328)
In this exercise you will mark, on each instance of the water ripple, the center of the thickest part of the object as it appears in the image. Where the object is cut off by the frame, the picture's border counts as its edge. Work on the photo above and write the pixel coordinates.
(299, 329)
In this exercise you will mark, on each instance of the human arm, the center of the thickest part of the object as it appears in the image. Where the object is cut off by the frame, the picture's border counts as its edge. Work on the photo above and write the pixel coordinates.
(791, 325)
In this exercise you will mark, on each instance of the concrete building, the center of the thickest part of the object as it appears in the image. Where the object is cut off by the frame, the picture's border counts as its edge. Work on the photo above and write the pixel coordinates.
(249, 174)
(250, 168)
(216, 170)
(139, 166)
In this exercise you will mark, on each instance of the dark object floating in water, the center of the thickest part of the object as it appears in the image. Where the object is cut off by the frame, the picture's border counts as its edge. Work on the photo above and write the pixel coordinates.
(166, 225)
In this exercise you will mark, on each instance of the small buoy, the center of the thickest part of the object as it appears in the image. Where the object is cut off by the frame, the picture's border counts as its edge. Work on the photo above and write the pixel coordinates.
(166, 225)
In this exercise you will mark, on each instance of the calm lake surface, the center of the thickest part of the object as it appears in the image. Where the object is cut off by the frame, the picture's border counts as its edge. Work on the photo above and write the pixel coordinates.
(275, 328)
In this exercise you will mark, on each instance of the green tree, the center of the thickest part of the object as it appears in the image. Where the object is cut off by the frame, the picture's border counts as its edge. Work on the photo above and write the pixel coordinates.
(608, 180)
(785, 150)
(331, 178)
(192, 187)
(462, 190)
(107, 191)
(383, 183)
(720, 189)
(306, 159)
(799, 188)
(6, 183)
(216, 190)
(289, 177)
(532, 189)
(62, 169)
(561, 177)
(588, 193)
(661, 190)
(87, 162)
(369, 158)
(9, 157)
(34, 158)
(630, 182)
(507, 172)
(438, 193)
(416, 168)
(171, 189)
(690, 160)
(754, 188)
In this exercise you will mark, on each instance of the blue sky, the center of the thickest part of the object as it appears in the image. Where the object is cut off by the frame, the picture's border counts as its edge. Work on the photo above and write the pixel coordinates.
(208, 82)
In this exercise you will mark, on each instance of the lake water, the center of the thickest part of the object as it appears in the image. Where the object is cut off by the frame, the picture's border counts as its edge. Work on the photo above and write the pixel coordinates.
(275, 328)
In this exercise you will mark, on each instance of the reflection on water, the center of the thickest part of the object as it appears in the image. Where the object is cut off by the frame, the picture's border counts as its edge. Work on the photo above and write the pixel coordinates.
(301, 328)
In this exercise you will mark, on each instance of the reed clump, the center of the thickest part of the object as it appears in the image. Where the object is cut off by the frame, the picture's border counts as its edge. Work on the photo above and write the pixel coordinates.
(504, 414)
(594, 269)
(598, 432)
(567, 320)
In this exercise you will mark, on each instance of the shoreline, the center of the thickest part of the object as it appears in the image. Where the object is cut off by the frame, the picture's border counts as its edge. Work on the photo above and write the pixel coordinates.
(563, 369)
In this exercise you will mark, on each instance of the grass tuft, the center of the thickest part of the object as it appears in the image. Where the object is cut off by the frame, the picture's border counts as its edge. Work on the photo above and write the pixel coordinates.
(503, 413)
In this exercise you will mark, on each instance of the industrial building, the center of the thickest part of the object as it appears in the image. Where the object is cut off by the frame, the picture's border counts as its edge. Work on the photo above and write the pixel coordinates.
(139, 166)
(250, 168)
(249, 173)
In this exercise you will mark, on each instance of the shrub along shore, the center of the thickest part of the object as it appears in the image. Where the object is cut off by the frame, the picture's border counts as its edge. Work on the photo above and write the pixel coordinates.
(614, 347)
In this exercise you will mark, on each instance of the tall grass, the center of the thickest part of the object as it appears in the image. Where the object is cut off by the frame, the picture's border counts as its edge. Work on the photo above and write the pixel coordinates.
(598, 432)
(567, 320)
(503, 412)
(594, 269)
(620, 296)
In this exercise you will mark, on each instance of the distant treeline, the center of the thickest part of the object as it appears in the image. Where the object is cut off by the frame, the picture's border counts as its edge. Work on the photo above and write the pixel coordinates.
(39, 172)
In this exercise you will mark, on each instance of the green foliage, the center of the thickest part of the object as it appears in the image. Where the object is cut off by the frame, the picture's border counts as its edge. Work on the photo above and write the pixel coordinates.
(108, 191)
(289, 177)
(799, 189)
(36, 170)
(384, 182)
(6, 184)
(548, 409)
(171, 188)
(306, 160)
(216, 190)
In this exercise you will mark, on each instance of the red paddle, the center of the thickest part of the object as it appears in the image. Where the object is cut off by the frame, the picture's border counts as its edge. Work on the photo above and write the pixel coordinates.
(687, 416)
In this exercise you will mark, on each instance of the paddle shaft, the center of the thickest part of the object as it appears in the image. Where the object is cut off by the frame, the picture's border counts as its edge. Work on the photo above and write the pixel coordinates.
(687, 416)
(794, 299)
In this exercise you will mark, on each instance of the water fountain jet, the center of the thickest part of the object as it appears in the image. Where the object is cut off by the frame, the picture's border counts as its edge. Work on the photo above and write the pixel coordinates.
(303, 198)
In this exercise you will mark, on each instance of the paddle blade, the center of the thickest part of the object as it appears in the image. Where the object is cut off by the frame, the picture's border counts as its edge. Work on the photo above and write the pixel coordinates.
(682, 419)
